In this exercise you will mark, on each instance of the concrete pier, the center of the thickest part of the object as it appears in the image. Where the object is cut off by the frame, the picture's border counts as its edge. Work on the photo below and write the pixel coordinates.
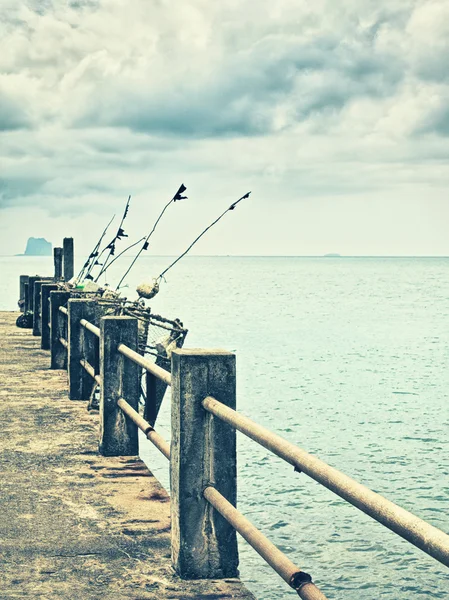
(75, 524)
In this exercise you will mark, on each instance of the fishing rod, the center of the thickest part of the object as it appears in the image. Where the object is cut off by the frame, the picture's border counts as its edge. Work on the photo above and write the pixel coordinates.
(94, 253)
(177, 196)
(148, 291)
(121, 253)
(111, 246)
(201, 235)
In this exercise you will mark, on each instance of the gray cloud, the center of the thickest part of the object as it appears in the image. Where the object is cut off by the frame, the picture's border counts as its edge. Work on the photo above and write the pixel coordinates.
(18, 187)
(442, 121)
(436, 119)
(216, 73)
(225, 78)
(12, 116)
(246, 93)
(102, 99)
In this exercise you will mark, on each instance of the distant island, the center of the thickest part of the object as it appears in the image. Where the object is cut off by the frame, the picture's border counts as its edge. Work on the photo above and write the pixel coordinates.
(332, 255)
(38, 247)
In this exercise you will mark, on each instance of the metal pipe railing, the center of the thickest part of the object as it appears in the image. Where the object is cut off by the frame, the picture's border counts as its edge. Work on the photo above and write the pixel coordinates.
(297, 579)
(144, 426)
(424, 536)
(89, 368)
(87, 325)
(431, 540)
(157, 371)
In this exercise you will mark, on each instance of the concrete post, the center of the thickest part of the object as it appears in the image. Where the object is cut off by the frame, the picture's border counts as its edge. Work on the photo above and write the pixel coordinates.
(45, 313)
(26, 297)
(83, 344)
(23, 281)
(31, 281)
(57, 260)
(37, 305)
(203, 452)
(69, 263)
(58, 329)
(120, 378)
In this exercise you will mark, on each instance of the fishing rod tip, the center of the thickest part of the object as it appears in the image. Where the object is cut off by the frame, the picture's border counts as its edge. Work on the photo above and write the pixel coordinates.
(178, 196)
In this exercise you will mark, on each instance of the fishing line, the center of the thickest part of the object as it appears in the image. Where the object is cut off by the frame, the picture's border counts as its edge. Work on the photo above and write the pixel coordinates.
(176, 197)
(161, 276)
(149, 290)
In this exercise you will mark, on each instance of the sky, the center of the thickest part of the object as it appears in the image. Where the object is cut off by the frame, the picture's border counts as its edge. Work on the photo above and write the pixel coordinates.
(333, 113)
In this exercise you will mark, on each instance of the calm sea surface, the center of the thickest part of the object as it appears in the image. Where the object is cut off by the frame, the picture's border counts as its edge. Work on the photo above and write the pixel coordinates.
(346, 357)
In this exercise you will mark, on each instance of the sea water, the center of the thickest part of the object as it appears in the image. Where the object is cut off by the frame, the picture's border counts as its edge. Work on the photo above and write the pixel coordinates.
(345, 357)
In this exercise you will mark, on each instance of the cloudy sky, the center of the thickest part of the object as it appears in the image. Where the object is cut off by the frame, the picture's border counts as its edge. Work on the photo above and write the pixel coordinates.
(335, 113)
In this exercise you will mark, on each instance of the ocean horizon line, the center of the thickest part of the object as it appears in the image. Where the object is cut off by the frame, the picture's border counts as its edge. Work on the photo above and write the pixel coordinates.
(327, 256)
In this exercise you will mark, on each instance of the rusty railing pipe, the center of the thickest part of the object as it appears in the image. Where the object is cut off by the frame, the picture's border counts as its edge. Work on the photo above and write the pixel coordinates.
(290, 573)
(157, 371)
(430, 539)
(155, 438)
(90, 327)
(89, 368)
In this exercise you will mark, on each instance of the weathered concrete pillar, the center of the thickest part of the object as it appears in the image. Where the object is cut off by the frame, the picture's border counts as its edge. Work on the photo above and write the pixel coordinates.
(37, 305)
(31, 281)
(120, 378)
(203, 452)
(83, 345)
(26, 297)
(58, 329)
(69, 259)
(45, 313)
(23, 281)
(57, 260)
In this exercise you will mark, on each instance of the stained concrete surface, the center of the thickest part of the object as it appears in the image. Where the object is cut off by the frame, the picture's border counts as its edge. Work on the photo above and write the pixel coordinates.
(74, 524)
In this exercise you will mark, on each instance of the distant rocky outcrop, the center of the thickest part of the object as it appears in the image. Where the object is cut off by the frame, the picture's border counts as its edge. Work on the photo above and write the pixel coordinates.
(38, 247)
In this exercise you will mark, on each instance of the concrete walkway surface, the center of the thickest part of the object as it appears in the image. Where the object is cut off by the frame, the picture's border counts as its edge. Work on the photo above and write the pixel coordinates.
(74, 524)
